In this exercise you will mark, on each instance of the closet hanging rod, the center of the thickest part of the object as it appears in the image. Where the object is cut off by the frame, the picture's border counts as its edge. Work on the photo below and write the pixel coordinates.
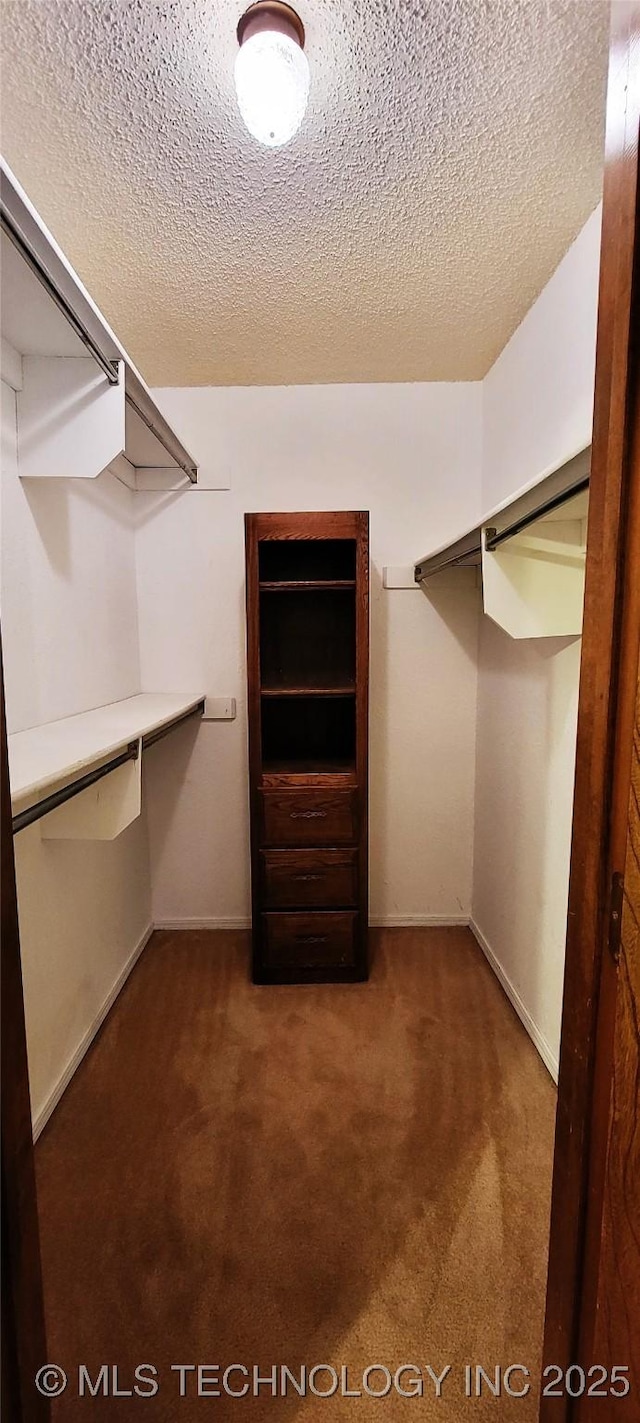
(106, 364)
(464, 552)
(153, 736)
(109, 367)
(494, 537)
(190, 470)
(51, 802)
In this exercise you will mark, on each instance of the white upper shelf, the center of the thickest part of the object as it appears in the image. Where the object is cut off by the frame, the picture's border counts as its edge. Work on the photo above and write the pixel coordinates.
(47, 313)
(531, 550)
(541, 499)
(46, 758)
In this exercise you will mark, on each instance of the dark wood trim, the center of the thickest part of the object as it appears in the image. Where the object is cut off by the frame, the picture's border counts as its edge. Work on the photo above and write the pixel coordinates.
(362, 737)
(337, 524)
(603, 1128)
(23, 1327)
(254, 726)
(603, 756)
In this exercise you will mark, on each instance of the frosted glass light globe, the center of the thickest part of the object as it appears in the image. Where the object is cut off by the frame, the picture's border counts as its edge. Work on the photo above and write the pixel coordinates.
(272, 85)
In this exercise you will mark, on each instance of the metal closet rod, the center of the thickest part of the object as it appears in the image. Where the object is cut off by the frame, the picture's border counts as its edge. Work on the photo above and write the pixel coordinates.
(153, 736)
(51, 802)
(109, 366)
(468, 547)
(495, 537)
(188, 469)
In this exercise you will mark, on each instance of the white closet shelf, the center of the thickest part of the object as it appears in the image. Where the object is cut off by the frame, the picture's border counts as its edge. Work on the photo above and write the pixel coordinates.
(82, 405)
(531, 549)
(46, 759)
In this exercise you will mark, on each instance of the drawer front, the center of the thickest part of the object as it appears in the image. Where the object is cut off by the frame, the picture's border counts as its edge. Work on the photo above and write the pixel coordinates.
(309, 941)
(323, 879)
(309, 817)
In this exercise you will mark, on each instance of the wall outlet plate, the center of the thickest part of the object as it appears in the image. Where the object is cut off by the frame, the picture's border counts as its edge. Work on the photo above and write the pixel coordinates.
(219, 709)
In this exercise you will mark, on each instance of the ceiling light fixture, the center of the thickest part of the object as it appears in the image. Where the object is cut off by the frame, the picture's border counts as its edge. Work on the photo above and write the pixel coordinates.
(271, 72)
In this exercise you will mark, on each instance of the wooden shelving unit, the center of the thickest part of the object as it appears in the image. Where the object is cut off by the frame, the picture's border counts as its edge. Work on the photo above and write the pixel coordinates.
(307, 639)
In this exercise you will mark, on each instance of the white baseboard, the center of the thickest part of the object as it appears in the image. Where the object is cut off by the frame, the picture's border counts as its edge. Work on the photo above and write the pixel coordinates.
(376, 921)
(538, 1039)
(215, 922)
(40, 1121)
(410, 921)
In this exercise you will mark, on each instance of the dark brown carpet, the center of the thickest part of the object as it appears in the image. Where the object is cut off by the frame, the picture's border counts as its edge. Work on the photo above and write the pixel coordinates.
(349, 1175)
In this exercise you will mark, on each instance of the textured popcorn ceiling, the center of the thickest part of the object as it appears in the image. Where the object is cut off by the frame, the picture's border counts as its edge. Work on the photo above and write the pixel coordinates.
(451, 151)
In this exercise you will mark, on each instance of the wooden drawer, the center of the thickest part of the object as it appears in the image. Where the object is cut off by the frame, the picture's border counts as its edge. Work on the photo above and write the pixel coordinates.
(309, 817)
(322, 879)
(309, 941)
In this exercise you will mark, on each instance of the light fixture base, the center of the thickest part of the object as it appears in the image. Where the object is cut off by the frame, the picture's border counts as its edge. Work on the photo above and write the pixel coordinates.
(270, 15)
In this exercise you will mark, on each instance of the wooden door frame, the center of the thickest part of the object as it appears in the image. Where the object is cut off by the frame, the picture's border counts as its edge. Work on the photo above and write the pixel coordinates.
(608, 680)
(24, 1348)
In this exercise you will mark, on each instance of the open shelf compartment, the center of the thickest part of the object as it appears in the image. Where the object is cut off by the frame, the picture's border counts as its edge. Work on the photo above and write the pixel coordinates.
(307, 642)
(307, 562)
(307, 733)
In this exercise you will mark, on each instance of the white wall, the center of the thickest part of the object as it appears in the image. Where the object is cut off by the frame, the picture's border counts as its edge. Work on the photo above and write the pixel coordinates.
(537, 398)
(69, 627)
(411, 455)
(85, 913)
(527, 710)
(537, 413)
(70, 642)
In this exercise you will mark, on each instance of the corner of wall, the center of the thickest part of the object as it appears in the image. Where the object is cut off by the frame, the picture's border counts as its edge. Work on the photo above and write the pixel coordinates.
(537, 407)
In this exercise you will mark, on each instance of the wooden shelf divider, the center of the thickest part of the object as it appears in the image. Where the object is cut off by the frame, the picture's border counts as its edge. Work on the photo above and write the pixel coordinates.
(345, 689)
(302, 585)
